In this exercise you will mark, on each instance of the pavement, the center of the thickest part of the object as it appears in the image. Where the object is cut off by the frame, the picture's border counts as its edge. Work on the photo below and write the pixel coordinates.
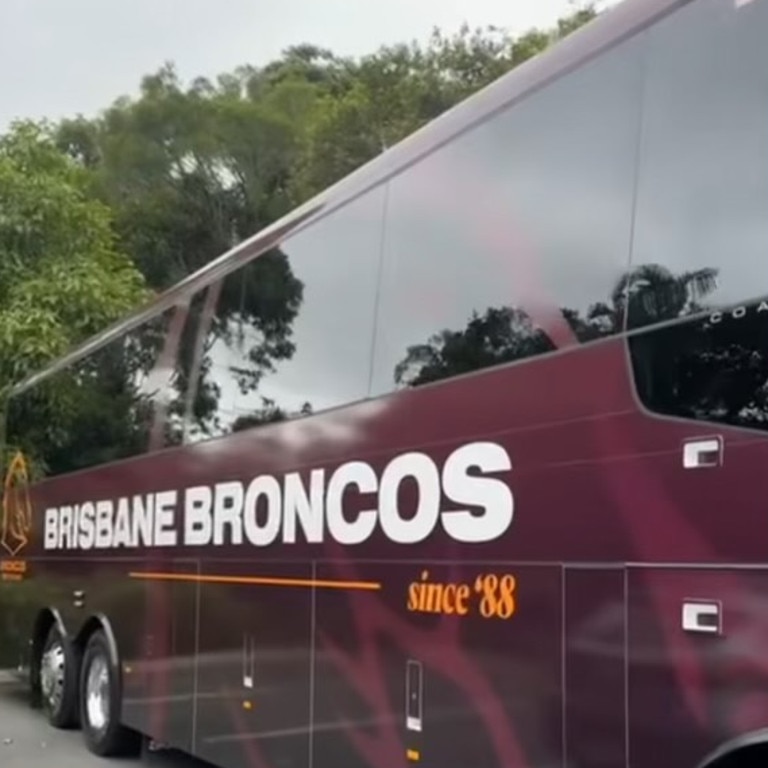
(27, 741)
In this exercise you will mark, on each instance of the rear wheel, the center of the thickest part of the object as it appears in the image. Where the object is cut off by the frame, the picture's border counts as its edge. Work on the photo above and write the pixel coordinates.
(101, 703)
(58, 680)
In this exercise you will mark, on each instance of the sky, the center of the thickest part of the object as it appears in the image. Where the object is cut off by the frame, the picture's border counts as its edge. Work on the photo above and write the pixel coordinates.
(63, 57)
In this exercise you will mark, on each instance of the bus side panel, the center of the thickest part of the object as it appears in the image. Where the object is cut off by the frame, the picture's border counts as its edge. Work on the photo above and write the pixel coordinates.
(254, 666)
(446, 665)
(157, 640)
(595, 696)
(697, 640)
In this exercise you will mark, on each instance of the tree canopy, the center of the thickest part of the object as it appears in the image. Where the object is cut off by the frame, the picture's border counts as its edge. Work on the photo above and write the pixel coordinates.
(63, 276)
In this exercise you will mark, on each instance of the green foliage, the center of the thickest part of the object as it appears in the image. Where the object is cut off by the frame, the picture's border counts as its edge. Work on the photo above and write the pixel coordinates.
(190, 171)
(62, 277)
(398, 89)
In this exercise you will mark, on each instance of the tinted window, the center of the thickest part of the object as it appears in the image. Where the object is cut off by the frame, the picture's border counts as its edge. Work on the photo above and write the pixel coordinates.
(510, 241)
(713, 368)
(293, 330)
(702, 217)
(98, 411)
(702, 210)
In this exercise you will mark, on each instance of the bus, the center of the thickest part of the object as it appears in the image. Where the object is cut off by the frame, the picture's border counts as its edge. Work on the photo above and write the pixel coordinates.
(462, 463)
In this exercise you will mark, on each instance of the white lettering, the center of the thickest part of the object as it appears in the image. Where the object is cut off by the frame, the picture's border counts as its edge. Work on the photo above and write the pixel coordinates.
(418, 526)
(165, 506)
(260, 534)
(122, 534)
(360, 529)
(65, 518)
(407, 502)
(228, 512)
(104, 510)
(491, 494)
(87, 525)
(143, 520)
(51, 530)
(198, 528)
(306, 509)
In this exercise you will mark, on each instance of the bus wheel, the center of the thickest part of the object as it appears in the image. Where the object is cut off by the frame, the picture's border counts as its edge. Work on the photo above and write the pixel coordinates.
(101, 703)
(58, 680)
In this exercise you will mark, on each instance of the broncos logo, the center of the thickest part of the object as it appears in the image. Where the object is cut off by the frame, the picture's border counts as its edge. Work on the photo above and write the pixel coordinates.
(17, 509)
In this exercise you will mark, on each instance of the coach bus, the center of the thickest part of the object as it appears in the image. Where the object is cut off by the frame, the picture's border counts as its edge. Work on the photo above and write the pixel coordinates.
(462, 463)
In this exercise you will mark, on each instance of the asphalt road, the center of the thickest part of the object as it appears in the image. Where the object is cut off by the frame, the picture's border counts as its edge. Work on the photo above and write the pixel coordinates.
(27, 741)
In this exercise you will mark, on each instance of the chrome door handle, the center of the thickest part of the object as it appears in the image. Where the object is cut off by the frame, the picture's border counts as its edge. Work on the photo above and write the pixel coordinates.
(704, 616)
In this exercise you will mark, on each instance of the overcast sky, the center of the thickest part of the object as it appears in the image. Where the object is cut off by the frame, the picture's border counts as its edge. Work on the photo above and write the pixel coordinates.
(61, 57)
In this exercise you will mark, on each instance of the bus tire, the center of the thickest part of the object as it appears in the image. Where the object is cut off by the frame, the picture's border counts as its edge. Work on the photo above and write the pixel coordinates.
(101, 702)
(58, 679)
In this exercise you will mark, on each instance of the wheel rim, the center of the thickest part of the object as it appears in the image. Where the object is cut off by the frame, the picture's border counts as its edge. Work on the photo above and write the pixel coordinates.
(97, 694)
(52, 671)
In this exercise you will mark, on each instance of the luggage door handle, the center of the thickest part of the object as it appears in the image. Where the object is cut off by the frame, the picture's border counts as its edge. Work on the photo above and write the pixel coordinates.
(703, 616)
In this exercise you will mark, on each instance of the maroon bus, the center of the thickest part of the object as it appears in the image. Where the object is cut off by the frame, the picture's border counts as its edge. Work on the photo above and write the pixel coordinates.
(463, 463)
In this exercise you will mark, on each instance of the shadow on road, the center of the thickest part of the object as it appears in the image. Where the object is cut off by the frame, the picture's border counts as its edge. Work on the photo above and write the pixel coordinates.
(27, 741)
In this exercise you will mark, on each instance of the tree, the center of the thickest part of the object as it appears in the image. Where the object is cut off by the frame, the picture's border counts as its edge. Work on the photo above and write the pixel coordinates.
(398, 89)
(191, 172)
(62, 277)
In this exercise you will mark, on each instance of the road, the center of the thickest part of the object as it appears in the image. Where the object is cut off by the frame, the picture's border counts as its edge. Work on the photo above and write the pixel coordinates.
(27, 741)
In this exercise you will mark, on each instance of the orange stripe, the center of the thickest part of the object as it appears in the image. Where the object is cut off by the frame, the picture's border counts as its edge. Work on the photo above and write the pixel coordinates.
(413, 754)
(271, 581)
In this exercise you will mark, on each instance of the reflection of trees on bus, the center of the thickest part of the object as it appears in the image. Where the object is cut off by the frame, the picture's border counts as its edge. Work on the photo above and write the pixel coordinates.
(269, 413)
(711, 367)
(101, 409)
(250, 329)
(505, 334)
(97, 411)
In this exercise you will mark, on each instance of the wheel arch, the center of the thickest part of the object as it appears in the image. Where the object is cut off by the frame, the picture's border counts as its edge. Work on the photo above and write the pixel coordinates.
(743, 751)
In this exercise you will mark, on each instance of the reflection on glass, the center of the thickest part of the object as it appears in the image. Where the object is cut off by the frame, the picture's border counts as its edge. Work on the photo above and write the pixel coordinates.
(713, 368)
(97, 411)
(702, 208)
(185, 364)
(509, 241)
(292, 330)
(499, 336)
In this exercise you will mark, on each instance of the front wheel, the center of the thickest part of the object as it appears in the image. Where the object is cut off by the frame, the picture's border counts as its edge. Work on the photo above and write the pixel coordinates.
(101, 703)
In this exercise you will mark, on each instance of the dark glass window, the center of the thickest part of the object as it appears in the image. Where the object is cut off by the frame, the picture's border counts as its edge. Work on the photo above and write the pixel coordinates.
(510, 241)
(711, 368)
(292, 331)
(701, 237)
(98, 411)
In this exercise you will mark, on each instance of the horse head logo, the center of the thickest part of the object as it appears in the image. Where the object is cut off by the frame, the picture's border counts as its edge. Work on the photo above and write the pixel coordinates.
(17, 509)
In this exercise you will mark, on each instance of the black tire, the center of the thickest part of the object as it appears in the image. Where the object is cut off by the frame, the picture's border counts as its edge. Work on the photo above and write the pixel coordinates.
(103, 732)
(59, 680)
